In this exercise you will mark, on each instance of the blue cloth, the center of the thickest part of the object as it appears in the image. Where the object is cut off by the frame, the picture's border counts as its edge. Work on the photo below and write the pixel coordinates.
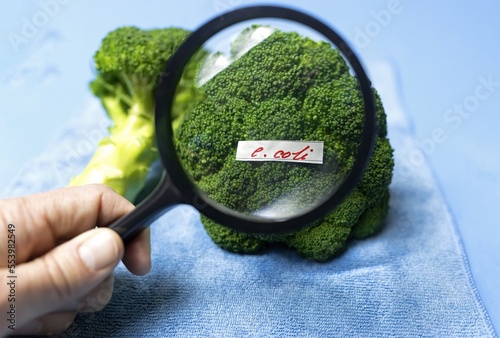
(412, 279)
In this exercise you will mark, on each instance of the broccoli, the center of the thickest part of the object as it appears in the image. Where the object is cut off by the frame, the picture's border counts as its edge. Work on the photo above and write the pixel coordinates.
(304, 86)
(129, 65)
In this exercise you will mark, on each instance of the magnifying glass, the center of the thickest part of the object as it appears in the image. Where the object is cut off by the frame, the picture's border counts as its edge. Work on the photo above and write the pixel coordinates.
(278, 132)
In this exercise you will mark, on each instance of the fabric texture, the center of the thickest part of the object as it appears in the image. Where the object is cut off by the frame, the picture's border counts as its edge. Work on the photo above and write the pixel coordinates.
(411, 280)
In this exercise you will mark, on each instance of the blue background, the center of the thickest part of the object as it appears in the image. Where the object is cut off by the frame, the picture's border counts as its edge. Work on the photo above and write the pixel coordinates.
(441, 52)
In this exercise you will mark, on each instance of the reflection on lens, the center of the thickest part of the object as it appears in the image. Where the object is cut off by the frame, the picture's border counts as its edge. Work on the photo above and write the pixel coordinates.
(218, 61)
(258, 85)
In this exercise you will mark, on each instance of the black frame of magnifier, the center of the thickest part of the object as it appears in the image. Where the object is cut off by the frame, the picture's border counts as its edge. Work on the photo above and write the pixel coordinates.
(165, 95)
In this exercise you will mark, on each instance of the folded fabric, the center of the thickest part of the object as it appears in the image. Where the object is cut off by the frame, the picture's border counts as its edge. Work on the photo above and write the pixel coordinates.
(412, 279)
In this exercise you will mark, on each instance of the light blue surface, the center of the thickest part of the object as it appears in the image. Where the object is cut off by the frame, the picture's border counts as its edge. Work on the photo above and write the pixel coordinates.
(411, 280)
(441, 50)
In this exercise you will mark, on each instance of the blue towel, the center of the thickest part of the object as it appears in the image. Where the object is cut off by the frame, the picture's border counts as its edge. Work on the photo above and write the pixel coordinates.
(412, 279)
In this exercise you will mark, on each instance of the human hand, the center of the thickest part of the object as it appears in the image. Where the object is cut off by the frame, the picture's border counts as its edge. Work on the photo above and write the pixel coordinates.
(61, 261)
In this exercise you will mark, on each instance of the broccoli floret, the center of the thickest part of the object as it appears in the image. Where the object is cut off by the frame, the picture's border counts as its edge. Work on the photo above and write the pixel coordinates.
(303, 90)
(129, 65)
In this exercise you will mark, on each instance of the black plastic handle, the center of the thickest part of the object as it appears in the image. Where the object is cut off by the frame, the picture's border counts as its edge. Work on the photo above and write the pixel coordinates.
(164, 197)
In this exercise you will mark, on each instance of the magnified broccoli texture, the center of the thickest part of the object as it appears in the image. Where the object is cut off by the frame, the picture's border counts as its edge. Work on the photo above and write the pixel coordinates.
(302, 89)
(129, 65)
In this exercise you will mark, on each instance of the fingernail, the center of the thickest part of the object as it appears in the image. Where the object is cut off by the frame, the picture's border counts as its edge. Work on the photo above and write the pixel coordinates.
(99, 251)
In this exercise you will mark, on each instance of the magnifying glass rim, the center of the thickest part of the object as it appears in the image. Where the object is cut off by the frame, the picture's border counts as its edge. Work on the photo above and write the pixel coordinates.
(165, 93)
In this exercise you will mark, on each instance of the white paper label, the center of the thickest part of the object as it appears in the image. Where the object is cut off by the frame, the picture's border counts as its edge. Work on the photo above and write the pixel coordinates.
(283, 151)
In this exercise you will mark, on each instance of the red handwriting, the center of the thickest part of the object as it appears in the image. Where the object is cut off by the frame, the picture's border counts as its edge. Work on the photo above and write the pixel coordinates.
(258, 150)
(300, 155)
(285, 151)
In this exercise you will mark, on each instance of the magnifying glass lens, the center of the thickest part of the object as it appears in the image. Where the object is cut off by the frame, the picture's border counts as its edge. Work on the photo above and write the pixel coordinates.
(273, 124)
(264, 122)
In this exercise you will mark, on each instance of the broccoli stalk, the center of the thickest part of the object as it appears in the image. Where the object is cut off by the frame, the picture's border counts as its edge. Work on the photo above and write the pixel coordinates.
(129, 63)
(303, 90)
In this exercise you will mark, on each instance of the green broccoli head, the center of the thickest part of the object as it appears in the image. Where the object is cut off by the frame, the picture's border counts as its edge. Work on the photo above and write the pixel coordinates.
(129, 64)
(302, 89)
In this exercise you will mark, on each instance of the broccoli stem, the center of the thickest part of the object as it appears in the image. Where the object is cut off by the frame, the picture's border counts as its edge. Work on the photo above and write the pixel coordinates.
(114, 108)
(123, 159)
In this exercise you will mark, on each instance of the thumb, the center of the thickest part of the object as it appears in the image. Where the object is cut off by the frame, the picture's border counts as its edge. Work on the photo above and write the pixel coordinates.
(66, 273)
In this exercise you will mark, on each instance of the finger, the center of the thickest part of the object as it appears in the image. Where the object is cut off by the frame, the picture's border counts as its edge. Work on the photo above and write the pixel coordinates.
(66, 273)
(137, 256)
(93, 301)
(49, 324)
(54, 323)
(97, 298)
(44, 220)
